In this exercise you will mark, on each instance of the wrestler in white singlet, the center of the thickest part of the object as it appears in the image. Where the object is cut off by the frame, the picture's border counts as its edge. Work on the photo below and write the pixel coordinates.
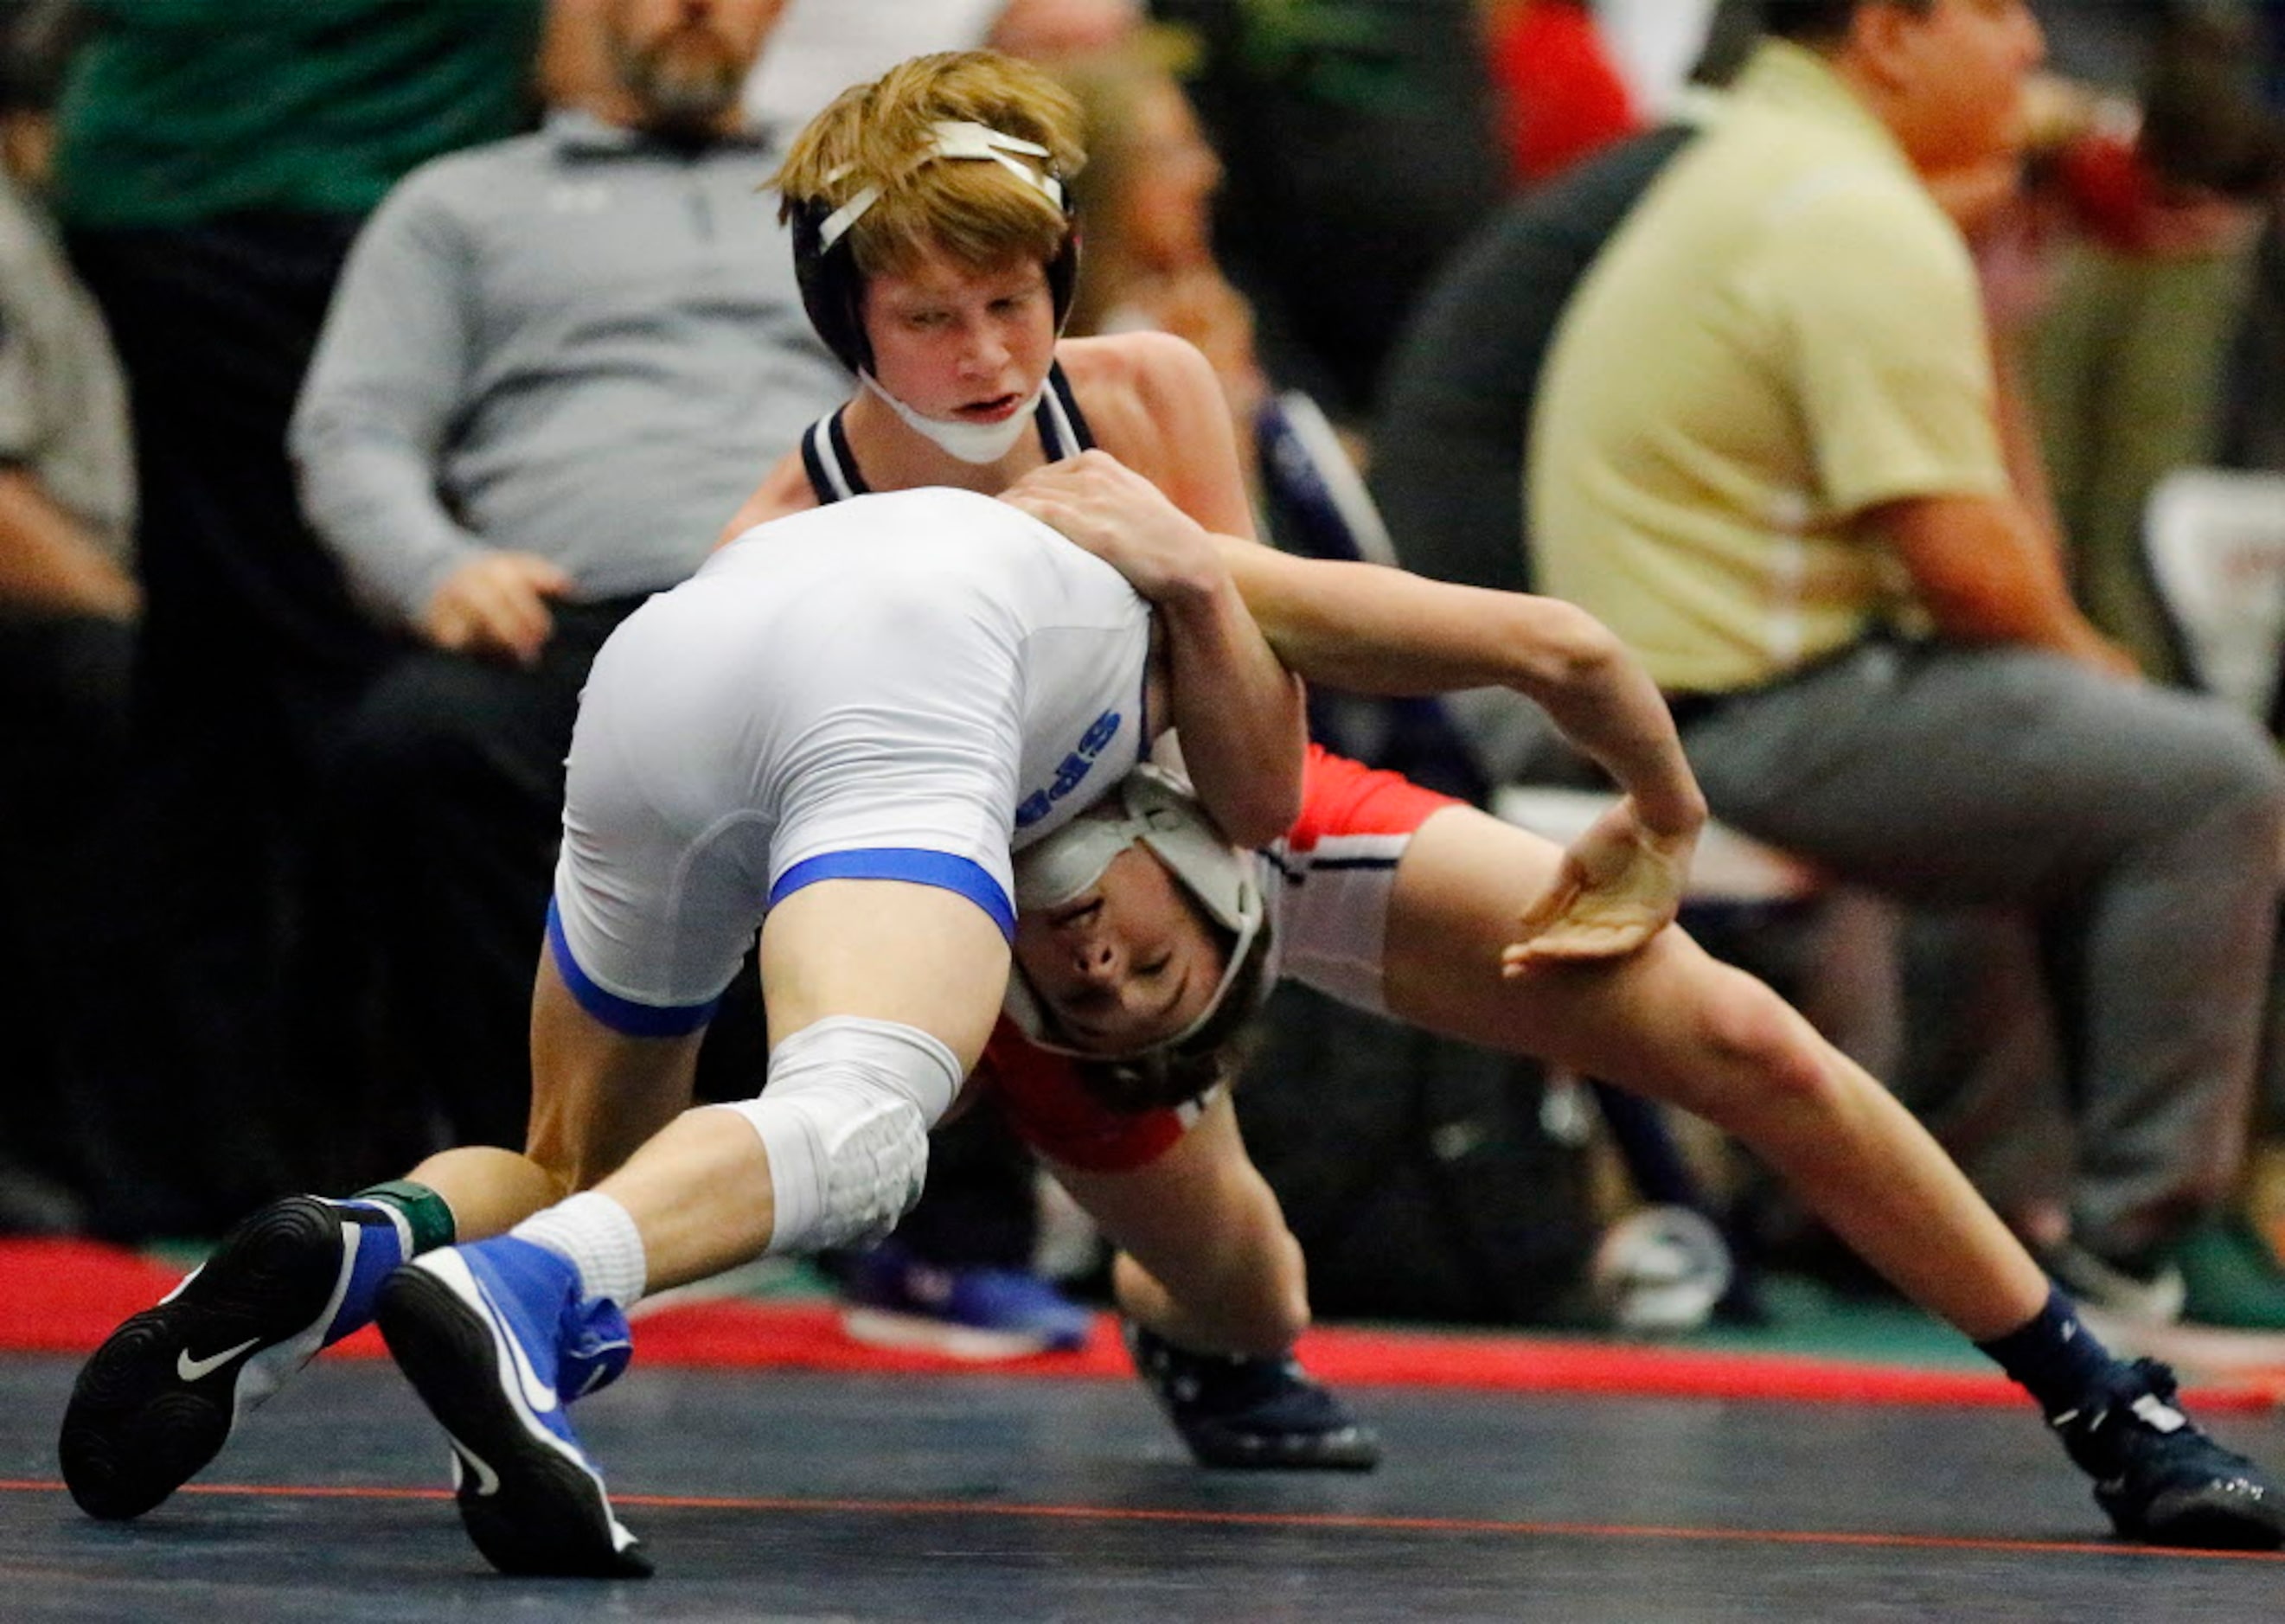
(896, 686)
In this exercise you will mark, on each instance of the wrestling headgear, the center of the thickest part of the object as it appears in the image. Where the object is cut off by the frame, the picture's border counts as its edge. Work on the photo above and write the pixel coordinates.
(832, 288)
(1155, 807)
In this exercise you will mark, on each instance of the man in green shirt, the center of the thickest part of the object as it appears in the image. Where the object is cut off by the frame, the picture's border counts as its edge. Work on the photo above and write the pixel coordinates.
(213, 160)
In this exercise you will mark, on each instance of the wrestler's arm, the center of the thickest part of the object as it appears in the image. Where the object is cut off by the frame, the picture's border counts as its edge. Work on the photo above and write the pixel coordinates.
(1379, 631)
(1374, 630)
(1237, 709)
(1159, 410)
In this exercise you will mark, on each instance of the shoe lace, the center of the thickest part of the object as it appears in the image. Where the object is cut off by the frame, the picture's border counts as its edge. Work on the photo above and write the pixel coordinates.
(595, 1346)
(2096, 1434)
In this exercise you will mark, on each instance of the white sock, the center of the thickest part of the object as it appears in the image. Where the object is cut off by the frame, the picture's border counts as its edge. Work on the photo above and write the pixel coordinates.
(598, 1238)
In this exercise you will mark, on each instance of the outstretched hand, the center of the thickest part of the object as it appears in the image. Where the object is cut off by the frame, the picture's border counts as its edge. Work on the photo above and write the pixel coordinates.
(1123, 519)
(1619, 885)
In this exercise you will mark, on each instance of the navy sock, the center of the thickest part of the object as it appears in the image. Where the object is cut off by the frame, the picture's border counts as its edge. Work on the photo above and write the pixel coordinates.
(2054, 1357)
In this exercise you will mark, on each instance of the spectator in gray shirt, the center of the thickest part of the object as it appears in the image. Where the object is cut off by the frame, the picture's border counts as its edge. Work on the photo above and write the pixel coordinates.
(68, 605)
(553, 370)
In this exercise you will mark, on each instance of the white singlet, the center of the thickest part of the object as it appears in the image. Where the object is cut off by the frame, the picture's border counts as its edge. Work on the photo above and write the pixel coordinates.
(897, 686)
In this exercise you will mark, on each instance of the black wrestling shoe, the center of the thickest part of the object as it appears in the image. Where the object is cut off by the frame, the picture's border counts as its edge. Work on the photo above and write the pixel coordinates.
(159, 1399)
(496, 1340)
(2164, 1481)
(1236, 1410)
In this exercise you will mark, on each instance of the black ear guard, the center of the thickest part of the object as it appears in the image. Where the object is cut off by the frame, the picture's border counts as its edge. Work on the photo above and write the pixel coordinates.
(833, 291)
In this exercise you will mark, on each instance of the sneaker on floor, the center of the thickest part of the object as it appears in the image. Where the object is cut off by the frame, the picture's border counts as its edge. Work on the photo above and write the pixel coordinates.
(160, 1398)
(2231, 1277)
(2151, 1294)
(1236, 1410)
(891, 1298)
(2160, 1478)
(495, 1340)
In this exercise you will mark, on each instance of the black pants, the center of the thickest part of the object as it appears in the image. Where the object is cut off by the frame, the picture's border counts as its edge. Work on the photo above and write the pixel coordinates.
(63, 757)
(248, 655)
(443, 804)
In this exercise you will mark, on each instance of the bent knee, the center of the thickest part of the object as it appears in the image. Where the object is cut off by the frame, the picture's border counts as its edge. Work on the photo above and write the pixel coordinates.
(844, 1123)
(432, 720)
(2224, 769)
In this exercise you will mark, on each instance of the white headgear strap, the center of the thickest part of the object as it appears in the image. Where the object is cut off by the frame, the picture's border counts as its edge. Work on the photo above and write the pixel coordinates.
(951, 139)
(1158, 808)
(980, 444)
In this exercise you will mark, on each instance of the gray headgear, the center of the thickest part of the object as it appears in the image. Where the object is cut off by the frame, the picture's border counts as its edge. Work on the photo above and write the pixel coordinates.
(1157, 807)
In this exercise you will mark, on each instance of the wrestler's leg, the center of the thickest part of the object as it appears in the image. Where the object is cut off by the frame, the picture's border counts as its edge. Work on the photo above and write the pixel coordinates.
(1212, 1284)
(901, 955)
(1672, 1023)
(880, 995)
(1204, 1258)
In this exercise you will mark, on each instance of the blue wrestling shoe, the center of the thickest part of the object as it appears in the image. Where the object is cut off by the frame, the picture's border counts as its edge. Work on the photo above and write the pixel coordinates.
(891, 1298)
(160, 1398)
(495, 1340)
(2162, 1481)
(1235, 1410)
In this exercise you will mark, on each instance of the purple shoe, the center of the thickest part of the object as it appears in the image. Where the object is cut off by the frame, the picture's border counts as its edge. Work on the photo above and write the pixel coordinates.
(891, 1298)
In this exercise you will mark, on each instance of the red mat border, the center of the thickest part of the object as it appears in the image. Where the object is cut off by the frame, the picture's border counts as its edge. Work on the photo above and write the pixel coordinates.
(66, 1296)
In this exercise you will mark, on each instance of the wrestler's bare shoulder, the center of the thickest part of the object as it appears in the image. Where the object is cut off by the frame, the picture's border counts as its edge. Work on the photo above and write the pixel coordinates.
(1137, 389)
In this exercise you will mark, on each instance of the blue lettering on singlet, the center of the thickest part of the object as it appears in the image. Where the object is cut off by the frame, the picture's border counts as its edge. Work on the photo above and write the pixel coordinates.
(1073, 771)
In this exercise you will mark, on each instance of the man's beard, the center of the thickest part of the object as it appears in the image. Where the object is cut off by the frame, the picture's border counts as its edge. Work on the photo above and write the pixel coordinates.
(683, 83)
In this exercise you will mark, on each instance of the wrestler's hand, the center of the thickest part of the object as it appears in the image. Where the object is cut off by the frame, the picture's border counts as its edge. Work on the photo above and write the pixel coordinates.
(495, 607)
(1619, 885)
(1124, 520)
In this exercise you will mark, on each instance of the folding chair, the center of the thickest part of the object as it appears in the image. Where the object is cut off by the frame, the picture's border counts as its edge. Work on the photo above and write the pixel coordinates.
(2214, 539)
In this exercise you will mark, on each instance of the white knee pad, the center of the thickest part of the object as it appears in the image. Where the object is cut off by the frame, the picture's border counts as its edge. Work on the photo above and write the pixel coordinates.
(845, 1120)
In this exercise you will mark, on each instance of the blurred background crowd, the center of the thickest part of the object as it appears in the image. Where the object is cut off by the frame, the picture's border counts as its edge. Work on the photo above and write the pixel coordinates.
(364, 362)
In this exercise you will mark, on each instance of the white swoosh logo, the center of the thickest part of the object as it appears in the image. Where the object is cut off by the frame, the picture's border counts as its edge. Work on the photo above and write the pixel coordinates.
(536, 1393)
(487, 1480)
(193, 1369)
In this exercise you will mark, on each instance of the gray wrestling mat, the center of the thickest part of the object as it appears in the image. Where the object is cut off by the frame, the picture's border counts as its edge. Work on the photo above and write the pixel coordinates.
(772, 1498)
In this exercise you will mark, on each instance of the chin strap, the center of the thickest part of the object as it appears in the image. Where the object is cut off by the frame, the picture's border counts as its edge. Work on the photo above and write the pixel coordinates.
(978, 443)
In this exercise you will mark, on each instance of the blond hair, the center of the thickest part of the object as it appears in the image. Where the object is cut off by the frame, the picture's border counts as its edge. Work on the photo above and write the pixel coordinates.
(880, 137)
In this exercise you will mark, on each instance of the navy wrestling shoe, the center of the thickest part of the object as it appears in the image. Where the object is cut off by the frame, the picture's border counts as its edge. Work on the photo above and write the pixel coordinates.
(2160, 1478)
(496, 1341)
(1255, 1411)
(160, 1398)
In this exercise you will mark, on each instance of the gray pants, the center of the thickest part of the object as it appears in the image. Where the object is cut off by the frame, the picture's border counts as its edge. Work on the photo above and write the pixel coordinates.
(2138, 827)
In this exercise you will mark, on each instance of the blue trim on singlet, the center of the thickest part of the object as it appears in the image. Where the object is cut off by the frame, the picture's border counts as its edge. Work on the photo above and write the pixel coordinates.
(622, 1014)
(911, 864)
(827, 438)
